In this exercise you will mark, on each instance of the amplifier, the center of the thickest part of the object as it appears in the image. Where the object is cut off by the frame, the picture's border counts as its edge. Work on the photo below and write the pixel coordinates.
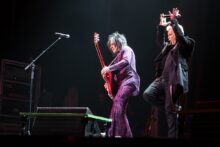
(15, 87)
(15, 81)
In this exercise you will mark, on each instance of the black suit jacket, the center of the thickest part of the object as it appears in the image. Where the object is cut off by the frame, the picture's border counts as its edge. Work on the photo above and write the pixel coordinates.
(172, 62)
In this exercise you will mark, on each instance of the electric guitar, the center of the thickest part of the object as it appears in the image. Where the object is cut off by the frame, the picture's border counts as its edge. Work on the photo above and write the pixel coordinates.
(109, 77)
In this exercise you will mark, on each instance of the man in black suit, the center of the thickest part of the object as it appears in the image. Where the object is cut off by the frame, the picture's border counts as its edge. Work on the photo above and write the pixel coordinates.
(171, 65)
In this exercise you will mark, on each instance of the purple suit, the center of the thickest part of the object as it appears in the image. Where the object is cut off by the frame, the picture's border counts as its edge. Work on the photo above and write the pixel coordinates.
(128, 83)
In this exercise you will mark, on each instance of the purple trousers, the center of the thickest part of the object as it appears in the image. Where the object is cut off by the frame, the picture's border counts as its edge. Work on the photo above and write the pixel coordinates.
(120, 125)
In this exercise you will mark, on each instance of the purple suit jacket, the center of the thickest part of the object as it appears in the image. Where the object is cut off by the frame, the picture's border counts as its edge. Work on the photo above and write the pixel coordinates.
(124, 71)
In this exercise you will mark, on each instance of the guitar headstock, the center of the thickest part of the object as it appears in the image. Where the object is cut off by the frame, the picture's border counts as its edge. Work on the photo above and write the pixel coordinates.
(96, 37)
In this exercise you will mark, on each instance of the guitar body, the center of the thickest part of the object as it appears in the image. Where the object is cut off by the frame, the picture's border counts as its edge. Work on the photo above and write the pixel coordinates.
(110, 85)
(109, 82)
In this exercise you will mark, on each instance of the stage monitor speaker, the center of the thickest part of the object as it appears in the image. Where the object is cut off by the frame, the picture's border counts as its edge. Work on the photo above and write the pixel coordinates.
(64, 121)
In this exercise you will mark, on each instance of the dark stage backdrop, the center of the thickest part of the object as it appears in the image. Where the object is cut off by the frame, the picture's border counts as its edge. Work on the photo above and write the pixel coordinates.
(28, 26)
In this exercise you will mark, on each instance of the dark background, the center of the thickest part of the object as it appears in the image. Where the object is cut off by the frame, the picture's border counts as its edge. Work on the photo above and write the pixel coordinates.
(27, 28)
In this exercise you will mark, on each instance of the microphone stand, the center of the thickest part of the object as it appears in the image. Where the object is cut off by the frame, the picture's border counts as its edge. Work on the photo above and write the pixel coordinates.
(32, 65)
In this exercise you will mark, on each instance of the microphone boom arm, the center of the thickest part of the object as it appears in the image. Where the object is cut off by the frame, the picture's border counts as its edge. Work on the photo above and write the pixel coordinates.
(31, 83)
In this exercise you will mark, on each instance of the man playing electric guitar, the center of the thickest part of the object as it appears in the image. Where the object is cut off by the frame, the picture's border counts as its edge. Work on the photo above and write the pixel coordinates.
(123, 70)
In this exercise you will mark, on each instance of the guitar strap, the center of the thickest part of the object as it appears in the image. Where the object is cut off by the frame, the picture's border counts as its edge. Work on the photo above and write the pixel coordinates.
(114, 59)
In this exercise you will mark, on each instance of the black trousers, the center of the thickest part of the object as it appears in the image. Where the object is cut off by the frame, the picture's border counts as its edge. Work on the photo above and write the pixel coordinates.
(159, 94)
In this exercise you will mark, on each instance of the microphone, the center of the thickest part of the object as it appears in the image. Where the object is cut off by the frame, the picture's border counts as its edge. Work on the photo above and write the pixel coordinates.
(62, 35)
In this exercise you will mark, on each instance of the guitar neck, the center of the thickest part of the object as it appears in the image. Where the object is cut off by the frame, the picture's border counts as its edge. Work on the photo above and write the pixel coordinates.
(99, 55)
